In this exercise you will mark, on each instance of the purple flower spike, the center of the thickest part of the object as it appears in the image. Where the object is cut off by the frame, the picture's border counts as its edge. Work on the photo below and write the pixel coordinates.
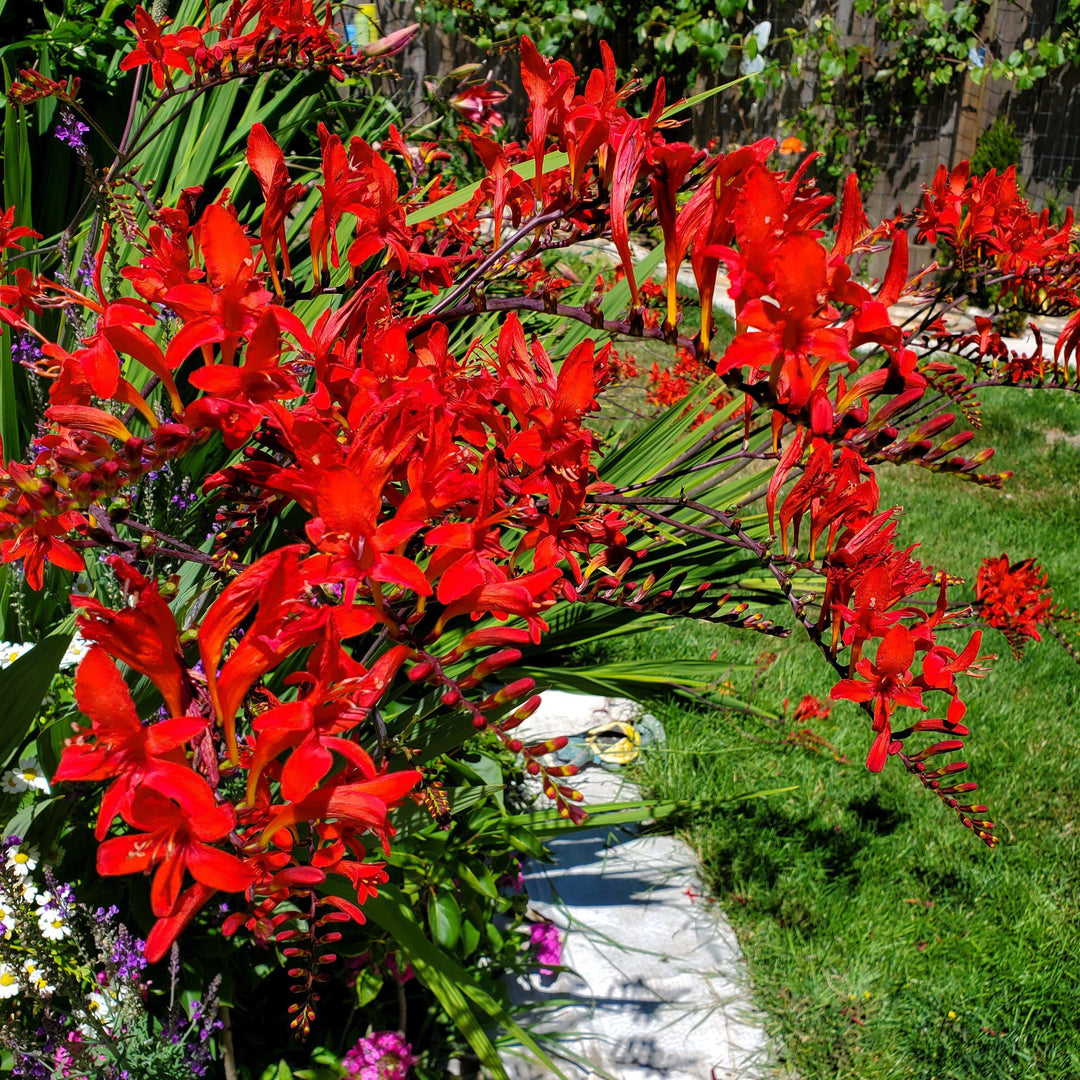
(71, 131)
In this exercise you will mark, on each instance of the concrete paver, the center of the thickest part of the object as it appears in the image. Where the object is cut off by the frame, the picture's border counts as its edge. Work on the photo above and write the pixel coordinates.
(656, 988)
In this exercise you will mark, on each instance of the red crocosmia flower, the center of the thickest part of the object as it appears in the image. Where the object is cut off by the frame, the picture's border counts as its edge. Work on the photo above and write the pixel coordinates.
(335, 190)
(633, 143)
(550, 88)
(706, 223)
(176, 837)
(267, 162)
(477, 104)
(17, 299)
(237, 599)
(1014, 599)
(502, 185)
(312, 727)
(165, 931)
(589, 120)
(118, 324)
(361, 805)
(553, 422)
(11, 234)
(144, 636)
(790, 331)
(869, 616)
(231, 305)
(888, 683)
(118, 745)
(42, 542)
(673, 162)
(163, 52)
(940, 667)
(309, 733)
(285, 622)
(348, 528)
(167, 262)
(237, 392)
(526, 596)
(466, 553)
(585, 130)
(380, 217)
(852, 224)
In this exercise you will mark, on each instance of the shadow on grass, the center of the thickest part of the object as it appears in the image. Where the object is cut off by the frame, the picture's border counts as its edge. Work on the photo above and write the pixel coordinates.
(761, 843)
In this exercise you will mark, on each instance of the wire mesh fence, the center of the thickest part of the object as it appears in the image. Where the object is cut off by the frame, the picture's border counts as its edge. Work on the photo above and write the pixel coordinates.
(942, 128)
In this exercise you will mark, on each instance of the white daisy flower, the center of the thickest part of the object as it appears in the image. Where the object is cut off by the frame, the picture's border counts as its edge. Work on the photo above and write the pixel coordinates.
(53, 925)
(43, 898)
(7, 913)
(12, 783)
(9, 981)
(29, 890)
(104, 1006)
(23, 859)
(10, 651)
(32, 774)
(36, 979)
(78, 648)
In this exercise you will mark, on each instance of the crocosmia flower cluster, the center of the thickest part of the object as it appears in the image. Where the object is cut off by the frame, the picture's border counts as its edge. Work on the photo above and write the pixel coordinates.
(398, 479)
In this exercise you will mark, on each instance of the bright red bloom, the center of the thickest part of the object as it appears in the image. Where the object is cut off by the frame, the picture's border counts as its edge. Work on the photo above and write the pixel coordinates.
(352, 528)
(177, 834)
(164, 53)
(632, 144)
(940, 667)
(230, 306)
(144, 635)
(360, 806)
(312, 728)
(11, 234)
(17, 299)
(477, 103)
(887, 682)
(1014, 599)
(117, 744)
(267, 162)
(42, 542)
(550, 87)
(237, 394)
(502, 185)
(673, 162)
(286, 621)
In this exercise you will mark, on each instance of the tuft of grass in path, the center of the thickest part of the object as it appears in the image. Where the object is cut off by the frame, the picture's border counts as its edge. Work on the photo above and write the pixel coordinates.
(884, 941)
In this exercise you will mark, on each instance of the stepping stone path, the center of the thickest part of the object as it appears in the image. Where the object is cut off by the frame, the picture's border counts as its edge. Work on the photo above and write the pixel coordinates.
(656, 988)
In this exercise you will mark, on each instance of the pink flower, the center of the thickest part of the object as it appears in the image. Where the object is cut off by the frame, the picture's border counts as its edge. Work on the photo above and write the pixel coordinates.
(477, 104)
(382, 1055)
(544, 938)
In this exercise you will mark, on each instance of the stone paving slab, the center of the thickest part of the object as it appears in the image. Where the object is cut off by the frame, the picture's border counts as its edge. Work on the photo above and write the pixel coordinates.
(656, 987)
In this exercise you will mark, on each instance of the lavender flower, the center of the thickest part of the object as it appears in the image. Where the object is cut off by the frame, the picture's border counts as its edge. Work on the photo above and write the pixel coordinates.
(71, 131)
(25, 350)
(127, 954)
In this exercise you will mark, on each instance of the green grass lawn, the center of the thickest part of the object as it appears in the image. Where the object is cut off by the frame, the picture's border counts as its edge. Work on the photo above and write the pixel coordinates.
(883, 939)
